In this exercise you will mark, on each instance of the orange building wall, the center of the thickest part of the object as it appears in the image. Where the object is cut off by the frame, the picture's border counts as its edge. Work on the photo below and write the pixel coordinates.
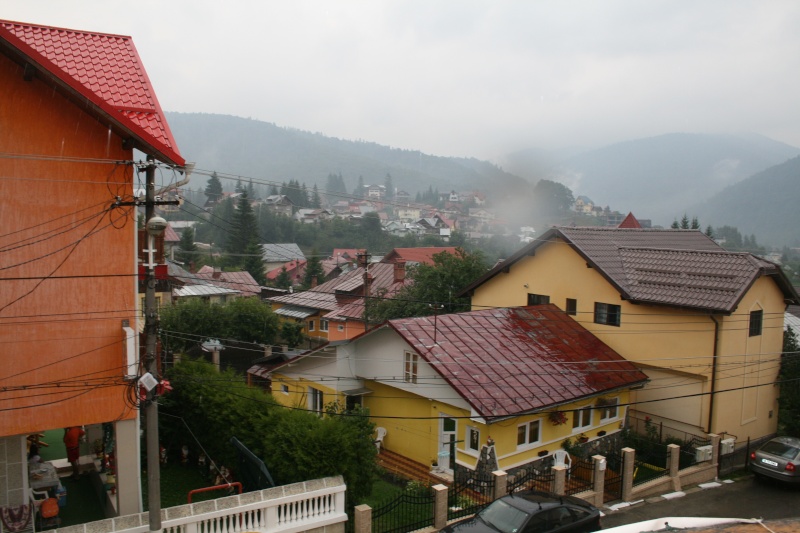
(60, 318)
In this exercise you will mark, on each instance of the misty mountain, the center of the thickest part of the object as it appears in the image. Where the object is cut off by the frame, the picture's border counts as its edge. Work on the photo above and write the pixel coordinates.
(264, 151)
(764, 205)
(658, 178)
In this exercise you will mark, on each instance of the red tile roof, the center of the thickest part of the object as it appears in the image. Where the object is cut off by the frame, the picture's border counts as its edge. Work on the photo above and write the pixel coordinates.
(683, 268)
(416, 255)
(507, 362)
(103, 70)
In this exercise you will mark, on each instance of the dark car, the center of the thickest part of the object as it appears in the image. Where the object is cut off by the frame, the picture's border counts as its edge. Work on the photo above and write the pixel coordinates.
(779, 458)
(532, 512)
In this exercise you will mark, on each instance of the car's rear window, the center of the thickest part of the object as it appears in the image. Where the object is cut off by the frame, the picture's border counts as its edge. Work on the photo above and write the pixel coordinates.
(781, 449)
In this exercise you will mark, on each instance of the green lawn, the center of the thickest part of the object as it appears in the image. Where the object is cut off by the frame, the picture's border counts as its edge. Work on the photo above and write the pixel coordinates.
(176, 483)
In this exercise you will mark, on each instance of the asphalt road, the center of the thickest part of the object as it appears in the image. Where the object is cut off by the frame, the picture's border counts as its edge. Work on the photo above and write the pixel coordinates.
(744, 498)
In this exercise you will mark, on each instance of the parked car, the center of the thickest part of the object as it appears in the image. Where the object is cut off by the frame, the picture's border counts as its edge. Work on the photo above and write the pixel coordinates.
(779, 458)
(532, 512)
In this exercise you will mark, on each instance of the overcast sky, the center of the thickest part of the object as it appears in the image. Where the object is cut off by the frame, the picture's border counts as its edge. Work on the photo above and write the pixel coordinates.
(465, 78)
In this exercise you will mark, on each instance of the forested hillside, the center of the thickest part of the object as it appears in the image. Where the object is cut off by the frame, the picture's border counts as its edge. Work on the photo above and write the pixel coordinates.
(766, 205)
(265, 151)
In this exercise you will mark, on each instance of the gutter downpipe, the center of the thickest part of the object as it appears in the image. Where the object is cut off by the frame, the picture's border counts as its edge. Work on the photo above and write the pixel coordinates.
(715, 356)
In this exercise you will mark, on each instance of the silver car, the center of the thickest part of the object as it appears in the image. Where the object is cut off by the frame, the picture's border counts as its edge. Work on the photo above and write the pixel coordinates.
(778, 459)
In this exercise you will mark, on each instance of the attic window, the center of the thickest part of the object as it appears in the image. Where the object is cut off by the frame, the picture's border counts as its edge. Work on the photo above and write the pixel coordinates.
(538, 299)
(410, 368)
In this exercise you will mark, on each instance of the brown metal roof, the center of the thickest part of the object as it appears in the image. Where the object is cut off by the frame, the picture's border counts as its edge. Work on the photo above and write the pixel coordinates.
(507, 362)
(683, 268)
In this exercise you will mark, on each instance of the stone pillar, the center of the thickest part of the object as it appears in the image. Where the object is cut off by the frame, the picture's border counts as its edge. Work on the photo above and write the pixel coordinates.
(439, 506)
(560, 482)
(628, 455)
(714, 448)
(674, 465)
(599, 482)
(362, 519)
(500, 484)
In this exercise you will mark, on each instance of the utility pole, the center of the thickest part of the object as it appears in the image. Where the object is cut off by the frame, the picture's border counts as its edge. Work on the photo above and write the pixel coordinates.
(151, 363)
(154, 227)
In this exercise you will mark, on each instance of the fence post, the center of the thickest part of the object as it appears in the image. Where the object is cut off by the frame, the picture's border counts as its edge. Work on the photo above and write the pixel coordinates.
(714, 448)
(560, 482)
(599, 484)
(628, 455)
(674, 465)
(500, 488)
(362, 519)
(439, 506)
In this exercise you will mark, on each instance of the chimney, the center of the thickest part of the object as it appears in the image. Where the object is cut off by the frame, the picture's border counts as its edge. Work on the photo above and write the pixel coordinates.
(313, 281)
(217, 273)
(399, 271)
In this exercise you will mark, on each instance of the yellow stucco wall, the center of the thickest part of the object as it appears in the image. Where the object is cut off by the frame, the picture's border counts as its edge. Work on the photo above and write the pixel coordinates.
(413, 423)
(679, 342)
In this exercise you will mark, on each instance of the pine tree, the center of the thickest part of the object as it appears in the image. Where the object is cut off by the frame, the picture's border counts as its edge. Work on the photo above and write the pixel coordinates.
(316, 201)
(186, 246)
(273, 190)
(284, 280)
(251, 191)
(245, 229)
(213, 189)
(685, 221)
(254, 262)
(314, 271)
(359, 190)
(389, 184)
(695, 223)
(710, 232)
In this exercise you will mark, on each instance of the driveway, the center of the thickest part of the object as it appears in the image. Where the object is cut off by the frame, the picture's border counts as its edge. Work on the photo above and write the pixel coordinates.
(743, 498)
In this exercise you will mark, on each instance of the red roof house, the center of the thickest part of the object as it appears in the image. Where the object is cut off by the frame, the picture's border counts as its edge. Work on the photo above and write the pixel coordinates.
(75, 105)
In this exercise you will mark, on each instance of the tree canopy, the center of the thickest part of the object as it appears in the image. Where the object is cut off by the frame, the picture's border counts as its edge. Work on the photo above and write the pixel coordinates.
(435, 287)
(296, 445)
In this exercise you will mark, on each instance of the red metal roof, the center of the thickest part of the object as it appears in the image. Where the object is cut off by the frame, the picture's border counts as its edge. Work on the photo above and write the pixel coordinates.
(104, 70)
(507, 362)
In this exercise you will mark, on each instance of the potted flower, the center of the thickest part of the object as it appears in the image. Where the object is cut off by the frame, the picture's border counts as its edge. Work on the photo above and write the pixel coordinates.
(583, 438)
(557, 418)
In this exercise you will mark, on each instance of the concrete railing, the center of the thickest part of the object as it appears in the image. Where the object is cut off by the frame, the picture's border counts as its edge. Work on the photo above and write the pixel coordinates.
(312, 505)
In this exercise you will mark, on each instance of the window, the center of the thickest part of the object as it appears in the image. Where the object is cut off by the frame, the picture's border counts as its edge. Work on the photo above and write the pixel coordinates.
(538, 299)
(310, 325)
(323, 325)
(340, 327)
(529, 433)
(572, 306)
(315, 400)
(582, 418)
(473, 439)
(410, 369)
(608, 408)
(606, 314)
(756, 321)
(285, 388)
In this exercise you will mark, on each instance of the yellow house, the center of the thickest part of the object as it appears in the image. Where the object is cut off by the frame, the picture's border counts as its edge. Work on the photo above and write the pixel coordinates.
(704, 324)
(525, 378)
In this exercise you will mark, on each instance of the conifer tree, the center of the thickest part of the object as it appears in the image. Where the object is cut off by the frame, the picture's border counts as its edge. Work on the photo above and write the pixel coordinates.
(213, 189)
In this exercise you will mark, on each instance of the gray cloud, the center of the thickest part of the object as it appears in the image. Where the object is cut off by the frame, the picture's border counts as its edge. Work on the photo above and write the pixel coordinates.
(466, 78)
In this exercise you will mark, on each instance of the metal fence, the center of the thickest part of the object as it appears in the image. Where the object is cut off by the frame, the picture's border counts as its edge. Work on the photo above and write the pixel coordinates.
(536, 475)
(409, 511)
(470, 495)
(580, 477)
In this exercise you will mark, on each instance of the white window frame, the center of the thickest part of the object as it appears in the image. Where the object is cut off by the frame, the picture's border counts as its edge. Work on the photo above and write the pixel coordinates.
(528, 443)
(323, 324)
(606, 410)
(315, 400)
(340, 327)
(582, 419)
(285, 388)
(410, 367)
